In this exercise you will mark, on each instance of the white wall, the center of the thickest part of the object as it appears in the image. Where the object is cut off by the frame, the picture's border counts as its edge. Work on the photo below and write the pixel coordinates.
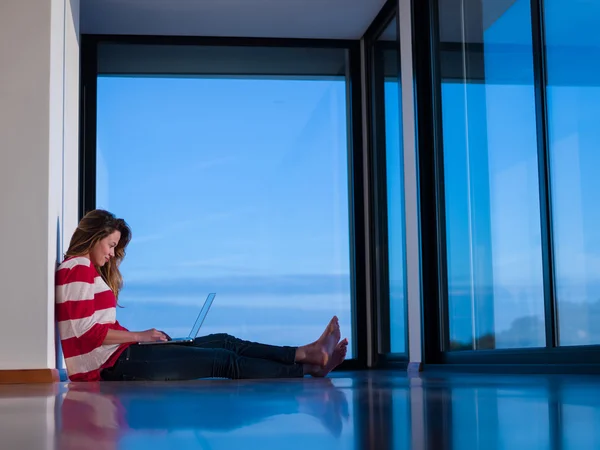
(38, 91)
(71, 123)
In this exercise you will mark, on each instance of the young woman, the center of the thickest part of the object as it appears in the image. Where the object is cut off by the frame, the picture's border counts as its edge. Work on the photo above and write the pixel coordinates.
(96, 347)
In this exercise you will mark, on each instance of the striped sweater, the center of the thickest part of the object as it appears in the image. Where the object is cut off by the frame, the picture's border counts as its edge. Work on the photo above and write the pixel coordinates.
(85, 311)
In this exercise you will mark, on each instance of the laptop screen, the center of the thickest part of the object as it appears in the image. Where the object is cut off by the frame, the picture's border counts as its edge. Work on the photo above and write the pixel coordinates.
(203, 313)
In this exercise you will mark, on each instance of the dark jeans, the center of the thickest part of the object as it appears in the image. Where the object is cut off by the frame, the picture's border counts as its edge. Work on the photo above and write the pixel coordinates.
(212, 356)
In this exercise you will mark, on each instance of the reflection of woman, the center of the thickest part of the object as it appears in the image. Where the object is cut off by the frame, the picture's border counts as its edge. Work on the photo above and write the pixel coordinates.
(90, 419)
(100, 415)
(97, 347)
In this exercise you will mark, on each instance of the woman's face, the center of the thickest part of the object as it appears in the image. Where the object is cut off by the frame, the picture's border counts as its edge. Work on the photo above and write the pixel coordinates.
(105, 249)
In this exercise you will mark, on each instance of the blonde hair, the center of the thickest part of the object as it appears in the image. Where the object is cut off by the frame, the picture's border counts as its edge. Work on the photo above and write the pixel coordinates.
(95, 226)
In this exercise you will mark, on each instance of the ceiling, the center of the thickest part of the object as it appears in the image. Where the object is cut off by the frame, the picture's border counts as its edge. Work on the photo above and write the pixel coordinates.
(319, 19)
(460, 20)
(567, 23)
(463, 20)
(466, 20)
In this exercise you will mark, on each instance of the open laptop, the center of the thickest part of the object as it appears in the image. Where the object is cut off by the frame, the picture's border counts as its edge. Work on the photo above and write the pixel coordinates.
(195, 329)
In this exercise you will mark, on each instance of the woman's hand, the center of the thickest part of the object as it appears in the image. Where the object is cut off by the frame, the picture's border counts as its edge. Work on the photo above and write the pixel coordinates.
(168, 337)
(151, 335)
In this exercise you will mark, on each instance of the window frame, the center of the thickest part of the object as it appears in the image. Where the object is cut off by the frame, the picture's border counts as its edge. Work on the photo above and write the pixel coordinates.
(357, 203)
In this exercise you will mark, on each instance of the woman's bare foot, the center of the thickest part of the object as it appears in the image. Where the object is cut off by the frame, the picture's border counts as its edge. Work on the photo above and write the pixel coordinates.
(333, 322)
(319, 352)
(339, 354)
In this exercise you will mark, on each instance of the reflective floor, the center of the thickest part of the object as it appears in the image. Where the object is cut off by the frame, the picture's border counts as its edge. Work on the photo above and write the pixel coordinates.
(360, 410)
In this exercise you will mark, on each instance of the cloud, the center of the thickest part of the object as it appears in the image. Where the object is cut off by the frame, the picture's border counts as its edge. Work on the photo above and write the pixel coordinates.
(239, 302)
(577, 323)
(224, 318)
(282, 285)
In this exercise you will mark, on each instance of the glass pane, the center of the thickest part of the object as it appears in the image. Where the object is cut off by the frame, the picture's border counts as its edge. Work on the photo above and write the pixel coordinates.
(387, 55)
(493, 238)
(235, 185)
(573, 95)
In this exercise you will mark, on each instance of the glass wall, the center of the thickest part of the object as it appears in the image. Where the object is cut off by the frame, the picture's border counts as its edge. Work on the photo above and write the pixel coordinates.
(395, 187)
(231, 166)
(490, 179)
(573, 103)
(387, 59)
(387, 157)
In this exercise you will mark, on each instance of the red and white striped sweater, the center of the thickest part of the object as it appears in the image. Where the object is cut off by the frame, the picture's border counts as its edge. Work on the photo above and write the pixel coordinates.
(85, 311)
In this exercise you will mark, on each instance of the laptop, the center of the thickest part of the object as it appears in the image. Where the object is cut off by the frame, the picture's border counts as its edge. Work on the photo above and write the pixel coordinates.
(195, 329)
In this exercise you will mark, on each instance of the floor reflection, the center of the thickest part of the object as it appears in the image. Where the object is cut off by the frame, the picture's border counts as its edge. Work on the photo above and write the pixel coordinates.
(511, 412)
(217, 414)
(361, 410)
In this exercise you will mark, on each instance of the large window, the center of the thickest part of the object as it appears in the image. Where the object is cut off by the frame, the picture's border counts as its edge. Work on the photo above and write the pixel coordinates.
(491, 183)
(231, 166)
(508, 96)
(388, 51)
(388, 181)
(573, 96)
